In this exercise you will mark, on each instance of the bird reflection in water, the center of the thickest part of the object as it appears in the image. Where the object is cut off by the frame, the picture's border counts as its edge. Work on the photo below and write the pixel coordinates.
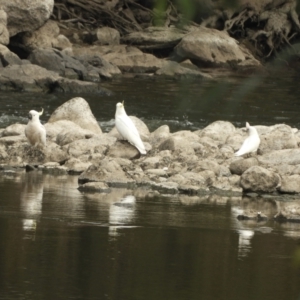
(31, 201)
(121, 214)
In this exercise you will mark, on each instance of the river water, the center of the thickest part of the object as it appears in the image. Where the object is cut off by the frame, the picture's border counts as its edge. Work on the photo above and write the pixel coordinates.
(58, 243)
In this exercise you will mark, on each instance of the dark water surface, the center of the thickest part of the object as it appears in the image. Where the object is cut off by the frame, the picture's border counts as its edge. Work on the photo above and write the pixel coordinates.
(183, 104)
(56, 243)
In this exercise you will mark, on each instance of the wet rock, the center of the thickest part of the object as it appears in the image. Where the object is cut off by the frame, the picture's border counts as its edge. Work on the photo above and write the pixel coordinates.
(55, 154)
(107, 36)
(47, 36)
(4, 35)
(75, 166)
(64, 85)
(290, 184)
(123, 149)
(126, 58)
(173, 69)
(13, 130)
(28, 15)
(239, 166)
(217, 131)
(279, 137)
(165, 187)
(78, 111)
(259, 179)
(209, 47)
(106, 171)
(94, 187)
(252, 215)
(155, 38)
(288, 211)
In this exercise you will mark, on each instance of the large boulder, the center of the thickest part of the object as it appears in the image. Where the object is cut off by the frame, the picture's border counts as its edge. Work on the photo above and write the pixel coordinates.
(4, 34)
(259, 179)
(29, 78)
(280, 157)
(208, 47)
(26, 15)
(78, 111)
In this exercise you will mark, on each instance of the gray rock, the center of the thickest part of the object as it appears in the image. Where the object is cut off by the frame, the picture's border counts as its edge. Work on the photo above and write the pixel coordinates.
(279, 137)
(48, 59)
(126, 58)
(175, 143)
(123, 149)
(155, 38)
(78, 111)
(173, 69)
(150, 163)
(94, 187)
(75, 166)
(106, 171)
(206, 164)
(26, 15)
(259, 179)
(28, 78)
(218, 131)
(68, 136)
(165, 187)
(4, 34)
(161, 133)
(209, 47)
(107, 36)
(99, 65)
(46, 37)
(8, 58)
(288, 211)
(239, 166)
(14, 129)
(290, 184)
(280, 157)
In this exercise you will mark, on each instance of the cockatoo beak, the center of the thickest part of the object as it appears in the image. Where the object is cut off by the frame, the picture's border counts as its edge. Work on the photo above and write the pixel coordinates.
(29, 116)
(41, 112)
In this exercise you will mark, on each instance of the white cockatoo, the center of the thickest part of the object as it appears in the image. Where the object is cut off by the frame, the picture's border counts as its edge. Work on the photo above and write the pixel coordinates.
(127, 129)
(251, 143)
(34, 130)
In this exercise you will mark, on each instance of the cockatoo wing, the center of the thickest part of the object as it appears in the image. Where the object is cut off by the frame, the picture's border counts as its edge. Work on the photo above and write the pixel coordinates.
(127, 129)
(250, 144)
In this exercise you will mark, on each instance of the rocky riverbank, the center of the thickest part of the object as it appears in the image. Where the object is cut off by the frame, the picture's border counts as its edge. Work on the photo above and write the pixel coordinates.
(56, 55)
(188, 162)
